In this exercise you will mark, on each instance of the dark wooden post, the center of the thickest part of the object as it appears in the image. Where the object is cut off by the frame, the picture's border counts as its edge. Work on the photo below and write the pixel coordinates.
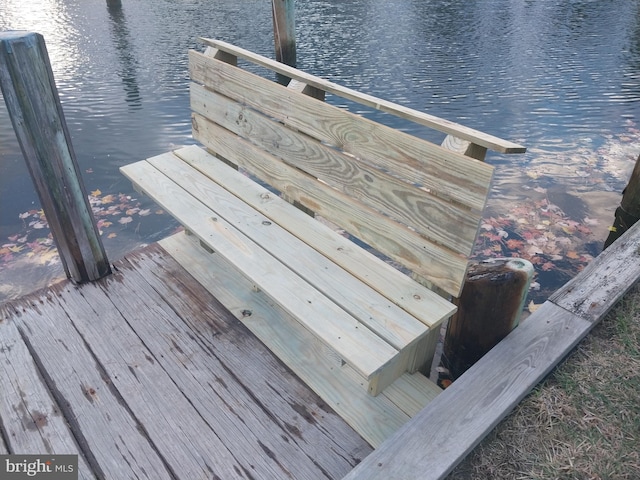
(628, 212)
(284, 31)
(489, 307)
(36, 114)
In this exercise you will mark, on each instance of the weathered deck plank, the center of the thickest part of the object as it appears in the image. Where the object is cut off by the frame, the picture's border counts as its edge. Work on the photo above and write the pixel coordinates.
(149, 392)
(155, 379)
(301, 415)
(32, 421)
(246, 427)
(113, 441)
(610, 275)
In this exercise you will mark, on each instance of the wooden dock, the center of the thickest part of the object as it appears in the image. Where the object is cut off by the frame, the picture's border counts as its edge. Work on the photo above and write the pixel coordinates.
(145, 375)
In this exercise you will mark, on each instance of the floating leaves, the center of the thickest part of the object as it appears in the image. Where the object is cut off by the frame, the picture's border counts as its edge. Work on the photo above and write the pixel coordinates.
(113, 213)
(539, 231)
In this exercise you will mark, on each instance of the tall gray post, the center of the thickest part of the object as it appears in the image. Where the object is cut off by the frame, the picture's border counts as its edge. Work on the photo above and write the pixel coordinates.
(284, 31)
(32, 100)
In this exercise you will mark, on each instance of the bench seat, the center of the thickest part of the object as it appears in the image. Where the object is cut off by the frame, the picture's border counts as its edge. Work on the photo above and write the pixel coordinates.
(340, 241)
(302, 265)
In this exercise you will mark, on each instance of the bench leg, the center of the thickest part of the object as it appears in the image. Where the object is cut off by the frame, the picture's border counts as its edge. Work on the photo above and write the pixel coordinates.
(425, 350)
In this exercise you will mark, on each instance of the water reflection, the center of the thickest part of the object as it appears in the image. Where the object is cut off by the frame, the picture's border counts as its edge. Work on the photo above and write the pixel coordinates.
(126, 53)
(559, 76)
(54, 20)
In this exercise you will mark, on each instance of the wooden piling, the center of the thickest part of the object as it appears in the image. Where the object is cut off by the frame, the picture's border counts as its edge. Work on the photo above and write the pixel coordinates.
(489, 307)
(34, 107)
(284, 31)
(628, 212)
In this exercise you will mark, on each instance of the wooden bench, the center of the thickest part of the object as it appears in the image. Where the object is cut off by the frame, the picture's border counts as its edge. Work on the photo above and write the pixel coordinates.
(362, 322)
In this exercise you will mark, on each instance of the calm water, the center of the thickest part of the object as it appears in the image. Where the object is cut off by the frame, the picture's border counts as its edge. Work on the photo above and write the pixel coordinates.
(561, 77)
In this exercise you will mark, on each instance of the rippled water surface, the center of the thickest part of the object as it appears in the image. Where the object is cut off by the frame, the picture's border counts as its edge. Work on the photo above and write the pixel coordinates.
(560, 77)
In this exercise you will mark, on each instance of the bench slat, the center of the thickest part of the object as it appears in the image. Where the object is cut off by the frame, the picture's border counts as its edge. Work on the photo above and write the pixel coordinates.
(375, 359)
(398, 288)
(448, 175)
(441, 221)
(431, 261)
(374, 418)
(480, 138)
(386, 319)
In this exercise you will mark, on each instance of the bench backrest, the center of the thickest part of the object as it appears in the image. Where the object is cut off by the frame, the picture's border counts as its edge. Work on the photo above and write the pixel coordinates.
(413, 201)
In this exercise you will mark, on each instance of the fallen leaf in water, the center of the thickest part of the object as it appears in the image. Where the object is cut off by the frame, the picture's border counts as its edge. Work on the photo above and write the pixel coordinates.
(584, 229)
(592, 222)
(144, 212)
(533, 251)
(50, 256)
(96, 193)
(125, 220)
(112, 235)
(532, 307)
(515, 244)
(108, 199)
(573, 255)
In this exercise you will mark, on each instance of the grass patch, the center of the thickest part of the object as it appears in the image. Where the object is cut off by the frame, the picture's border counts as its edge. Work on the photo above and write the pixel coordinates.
(583, 421)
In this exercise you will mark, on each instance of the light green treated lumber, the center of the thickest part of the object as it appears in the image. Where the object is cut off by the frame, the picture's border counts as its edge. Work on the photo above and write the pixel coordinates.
(436, 263)
(375, 359)
(374, 418)
(398, 288)
(441, 220)
(34, 107)
(445, 126)
(446, 174)
(386, 319)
